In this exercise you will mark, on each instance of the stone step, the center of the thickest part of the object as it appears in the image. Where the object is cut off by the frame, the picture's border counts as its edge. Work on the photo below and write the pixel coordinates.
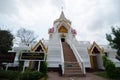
(68, 53)
(71, 66)
(73, 71)
(73, 75)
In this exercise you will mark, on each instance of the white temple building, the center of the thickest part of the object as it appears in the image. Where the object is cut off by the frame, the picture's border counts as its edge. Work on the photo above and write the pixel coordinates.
(64, 49)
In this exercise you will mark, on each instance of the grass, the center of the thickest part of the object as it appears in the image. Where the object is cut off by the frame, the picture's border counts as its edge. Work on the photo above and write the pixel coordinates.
(102, 74)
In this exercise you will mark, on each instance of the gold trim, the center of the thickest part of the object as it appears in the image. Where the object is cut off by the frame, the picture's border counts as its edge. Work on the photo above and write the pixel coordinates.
(91, 61)
(102, 50)
(93, 46)
(62, 29)
(90, 50)
(45, 49)
(30, 64)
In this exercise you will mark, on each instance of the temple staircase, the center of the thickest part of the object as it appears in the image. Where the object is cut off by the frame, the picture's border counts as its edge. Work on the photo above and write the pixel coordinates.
(71, 66)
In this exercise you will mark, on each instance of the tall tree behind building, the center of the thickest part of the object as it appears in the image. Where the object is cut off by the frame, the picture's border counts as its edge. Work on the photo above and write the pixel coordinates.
(114, 39)
(26, 36)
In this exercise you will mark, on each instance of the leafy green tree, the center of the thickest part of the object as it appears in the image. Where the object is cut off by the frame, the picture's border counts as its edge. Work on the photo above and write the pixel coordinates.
(6, 41)
(114, 39)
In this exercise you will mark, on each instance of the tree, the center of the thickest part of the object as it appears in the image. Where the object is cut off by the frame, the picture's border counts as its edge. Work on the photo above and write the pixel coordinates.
(26, 36)
(114, 39)
(6, 41)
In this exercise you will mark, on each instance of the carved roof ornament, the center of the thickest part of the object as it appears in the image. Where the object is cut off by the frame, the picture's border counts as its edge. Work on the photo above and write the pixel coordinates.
(73, 31)
(40, 44)
(94, 46)
(51, 30)
(62, 18)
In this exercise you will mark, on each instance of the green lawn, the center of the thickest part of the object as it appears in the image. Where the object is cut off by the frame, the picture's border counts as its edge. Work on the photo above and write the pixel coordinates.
(102, 74)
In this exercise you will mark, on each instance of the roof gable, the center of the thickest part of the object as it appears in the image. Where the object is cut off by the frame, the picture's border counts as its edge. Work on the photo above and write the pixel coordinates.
(94, 47)
(39, 47)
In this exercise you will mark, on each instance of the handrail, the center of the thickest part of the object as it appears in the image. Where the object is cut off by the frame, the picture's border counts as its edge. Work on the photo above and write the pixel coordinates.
(62, 57)
(78, 57)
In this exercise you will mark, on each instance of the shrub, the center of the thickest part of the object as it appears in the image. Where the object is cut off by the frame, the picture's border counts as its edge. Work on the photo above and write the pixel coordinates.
(10, 75)
(29, 75)
(104, 60)
(43, 68)
(110, 68)
(16, 75)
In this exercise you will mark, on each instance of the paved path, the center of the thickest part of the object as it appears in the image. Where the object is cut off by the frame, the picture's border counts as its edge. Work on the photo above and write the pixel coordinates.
(89, 76)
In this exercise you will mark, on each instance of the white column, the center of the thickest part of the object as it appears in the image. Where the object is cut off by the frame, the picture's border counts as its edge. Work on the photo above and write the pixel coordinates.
(39, 66)
(6, 67)
(24, 67)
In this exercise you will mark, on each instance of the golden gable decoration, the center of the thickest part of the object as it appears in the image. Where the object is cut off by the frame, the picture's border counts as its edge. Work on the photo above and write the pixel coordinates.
(39, 47)
(62, 29)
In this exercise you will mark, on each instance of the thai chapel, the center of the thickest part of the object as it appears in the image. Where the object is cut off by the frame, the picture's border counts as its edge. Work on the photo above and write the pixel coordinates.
(65, 54)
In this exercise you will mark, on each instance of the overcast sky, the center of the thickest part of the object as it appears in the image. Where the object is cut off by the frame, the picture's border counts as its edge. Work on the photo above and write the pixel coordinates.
(91, 18)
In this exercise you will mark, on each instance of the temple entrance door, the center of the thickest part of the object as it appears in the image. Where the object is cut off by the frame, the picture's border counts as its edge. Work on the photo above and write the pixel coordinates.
(62, 39)
(95, 62)
(96, 58)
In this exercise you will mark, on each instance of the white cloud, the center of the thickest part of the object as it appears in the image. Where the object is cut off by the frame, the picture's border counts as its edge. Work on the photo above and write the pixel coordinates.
(8, 7)
(91, 18)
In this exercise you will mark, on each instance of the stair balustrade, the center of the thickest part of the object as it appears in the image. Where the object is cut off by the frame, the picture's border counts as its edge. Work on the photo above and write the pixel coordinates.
(62, 57)
(78, 57)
